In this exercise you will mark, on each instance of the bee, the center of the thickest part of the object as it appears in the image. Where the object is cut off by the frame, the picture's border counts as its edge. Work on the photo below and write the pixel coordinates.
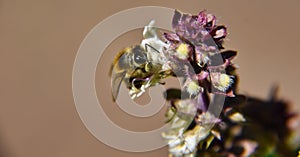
(134, 67)
(139, 66)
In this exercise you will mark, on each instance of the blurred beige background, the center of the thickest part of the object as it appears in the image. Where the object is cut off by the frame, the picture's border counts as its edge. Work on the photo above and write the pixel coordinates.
(39, 40)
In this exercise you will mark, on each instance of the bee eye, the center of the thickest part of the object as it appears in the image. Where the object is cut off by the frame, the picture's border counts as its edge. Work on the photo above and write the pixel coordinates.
(139, 56)
(140, 59)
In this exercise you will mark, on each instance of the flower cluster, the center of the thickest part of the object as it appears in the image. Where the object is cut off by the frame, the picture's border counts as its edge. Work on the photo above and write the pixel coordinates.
(194, 51)
(201, 124)
(195, 47)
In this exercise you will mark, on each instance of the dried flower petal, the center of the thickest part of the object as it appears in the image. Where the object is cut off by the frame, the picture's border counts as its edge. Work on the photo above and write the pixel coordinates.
(219, 32)
(171, 37)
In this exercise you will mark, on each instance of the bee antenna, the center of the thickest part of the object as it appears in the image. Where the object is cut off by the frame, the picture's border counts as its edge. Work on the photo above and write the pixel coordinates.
(147, 45)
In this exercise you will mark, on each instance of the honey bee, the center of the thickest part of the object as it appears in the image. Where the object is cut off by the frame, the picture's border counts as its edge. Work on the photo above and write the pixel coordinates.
(134, 67)
(139, 66)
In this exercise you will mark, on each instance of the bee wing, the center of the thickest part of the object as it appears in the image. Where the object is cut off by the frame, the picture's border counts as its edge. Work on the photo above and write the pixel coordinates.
(116, 80)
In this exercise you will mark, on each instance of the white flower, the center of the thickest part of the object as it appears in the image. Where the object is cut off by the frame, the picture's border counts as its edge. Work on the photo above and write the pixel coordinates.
(192, 87)
(185, 144)
(221, 81)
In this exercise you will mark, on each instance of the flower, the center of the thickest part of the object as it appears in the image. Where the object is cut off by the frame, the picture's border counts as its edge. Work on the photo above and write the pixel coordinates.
(194, 47)
(199, 29)
(192, 87)
(191, 52)
(185, 144)
(182, 51)
(221, 81)
(207, 119)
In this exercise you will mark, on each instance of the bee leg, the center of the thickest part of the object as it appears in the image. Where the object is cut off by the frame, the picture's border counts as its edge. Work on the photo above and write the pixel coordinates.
(148, 67)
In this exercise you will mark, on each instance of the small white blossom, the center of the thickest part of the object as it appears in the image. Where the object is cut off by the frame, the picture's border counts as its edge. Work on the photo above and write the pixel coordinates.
(192, 87)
